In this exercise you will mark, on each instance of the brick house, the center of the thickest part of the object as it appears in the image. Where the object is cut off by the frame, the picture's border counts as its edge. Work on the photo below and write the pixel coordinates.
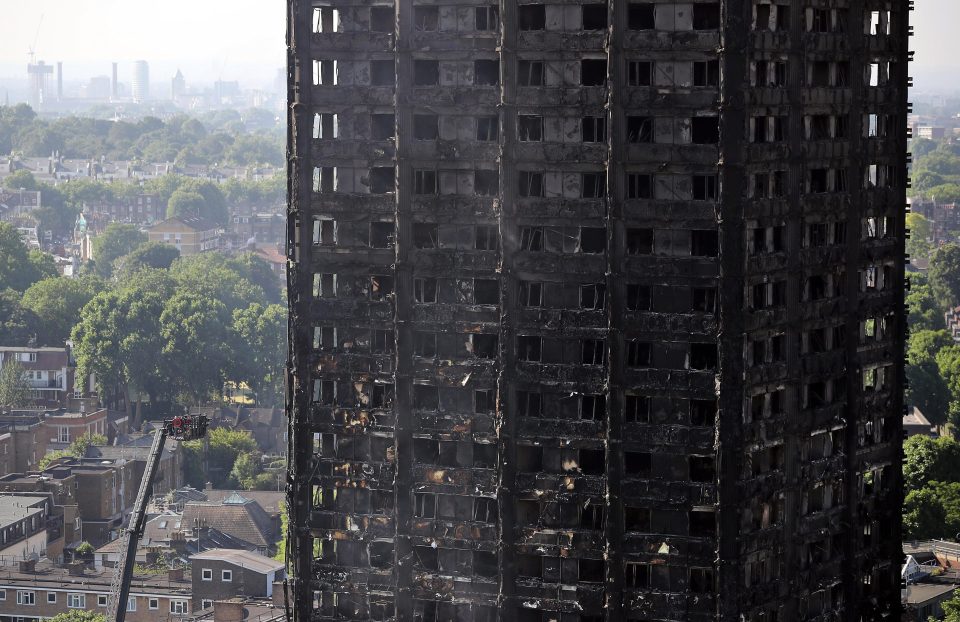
(191, 235)
(49, 372)
(221, 574)
(31, 592)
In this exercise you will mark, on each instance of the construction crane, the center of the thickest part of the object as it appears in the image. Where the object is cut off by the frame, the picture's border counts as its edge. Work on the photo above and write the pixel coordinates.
(182, 429)
(33, 46)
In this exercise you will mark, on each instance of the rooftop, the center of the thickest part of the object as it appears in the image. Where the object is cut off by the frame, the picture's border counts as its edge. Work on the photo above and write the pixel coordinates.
(14, 508)
(50, 576)
(919, 593)
(243, 559)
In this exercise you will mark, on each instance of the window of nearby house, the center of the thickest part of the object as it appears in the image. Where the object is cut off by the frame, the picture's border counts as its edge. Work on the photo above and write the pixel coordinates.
(206, 604)
(132, 603)
(3, 595)
(63, 434)
(101, 600)
(26, 598)
(51, 597)
(206, 574)
(179, 607)
(154, 604)
(76, 601)
(226, 576)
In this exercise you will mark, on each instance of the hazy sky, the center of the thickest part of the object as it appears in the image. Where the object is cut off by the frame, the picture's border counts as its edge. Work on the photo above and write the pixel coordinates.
(207, 39)
(245, 38)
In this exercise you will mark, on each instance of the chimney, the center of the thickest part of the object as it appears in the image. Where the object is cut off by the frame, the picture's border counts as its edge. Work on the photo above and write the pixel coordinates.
(228, 610)
(76, 569)
(27, 565)
(279, 596)
(175, 574)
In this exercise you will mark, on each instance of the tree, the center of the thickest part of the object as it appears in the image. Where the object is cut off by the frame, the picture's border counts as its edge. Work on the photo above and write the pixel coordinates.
(115, 242)
(923, 515)
(155, 255)
(921, 147)
(951, 609)
(225, 446)
(214, 276)
(945, 275)
(196, 344)
(17, 324)
(245, 470)
(20, 267)
(263, 331)
(57, 303)
(925, 313)
(928, 460)
(14, 389)
(258, 272)
(947, 193)
(79, 615)
(924, 345)
(948, 363)
(921, 232)
(928, 391)
(21, 180)
(186, 203)
(119, 338)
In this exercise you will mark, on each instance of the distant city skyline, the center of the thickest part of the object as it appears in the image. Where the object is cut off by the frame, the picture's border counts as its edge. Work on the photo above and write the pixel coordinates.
(244, 42)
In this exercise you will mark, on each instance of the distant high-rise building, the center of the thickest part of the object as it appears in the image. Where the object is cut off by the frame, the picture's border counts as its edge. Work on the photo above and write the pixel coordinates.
(39, 75)
(99, 88)
(114, 91)
(59, 81)
(178, 85)
(141, 81)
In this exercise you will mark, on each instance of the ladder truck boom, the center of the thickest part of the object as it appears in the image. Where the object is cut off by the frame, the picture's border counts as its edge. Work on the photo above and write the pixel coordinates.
(180, 428)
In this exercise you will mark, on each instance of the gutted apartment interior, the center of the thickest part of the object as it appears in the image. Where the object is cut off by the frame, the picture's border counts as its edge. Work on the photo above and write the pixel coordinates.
(597, 309)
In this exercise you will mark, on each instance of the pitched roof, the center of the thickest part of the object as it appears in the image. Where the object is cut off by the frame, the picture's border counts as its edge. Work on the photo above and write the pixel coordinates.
(244, 559)
(245, 521)
(197, 223)
(271, 502)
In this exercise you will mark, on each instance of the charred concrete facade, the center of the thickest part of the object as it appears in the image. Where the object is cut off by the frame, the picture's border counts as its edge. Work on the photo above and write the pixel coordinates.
(596, 309)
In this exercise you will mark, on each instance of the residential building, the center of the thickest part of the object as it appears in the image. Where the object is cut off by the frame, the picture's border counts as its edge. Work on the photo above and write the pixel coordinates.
(24, 525)
(50, 373)
(167, 535)
(66, 427)
(597, 309)
(63, 523)
(40, 590)
(222, 574)
(190, 235)
(25, 443)
(141, 81)
(915, 423)
(238, 517)
(139, 209)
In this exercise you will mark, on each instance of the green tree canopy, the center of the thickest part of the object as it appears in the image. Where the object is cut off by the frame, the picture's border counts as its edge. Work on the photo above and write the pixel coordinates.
(79, 615)
(57, 302)
(262, 360)
(924, 345)
(928, 391)
(196, 344)
(921, 232)
(155, 255)
(225, 446)
(20, 267)
(925, 312)
(928, 460)
(924, 515)
(13, 385)
(17, 324)
(185, 203)
(115, 242)
(245, 470)
(20, 180)
(945, 275)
